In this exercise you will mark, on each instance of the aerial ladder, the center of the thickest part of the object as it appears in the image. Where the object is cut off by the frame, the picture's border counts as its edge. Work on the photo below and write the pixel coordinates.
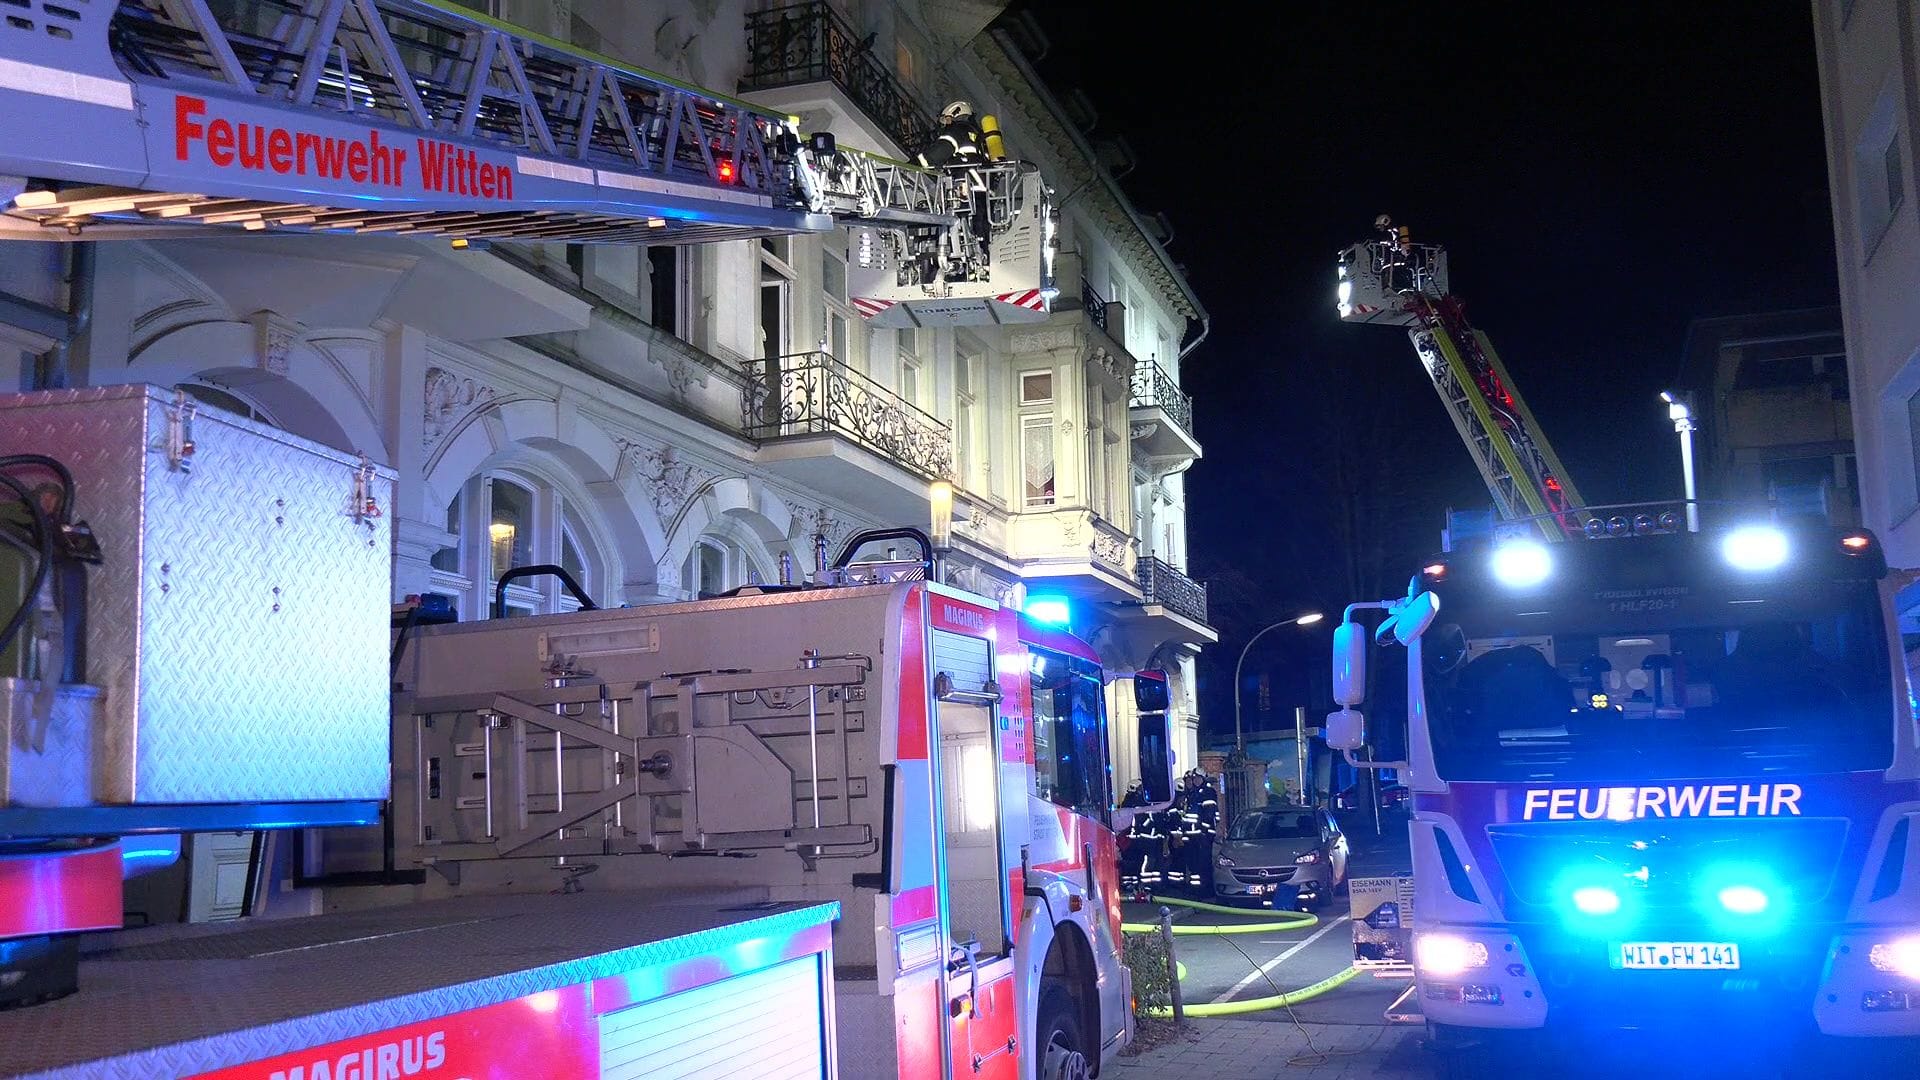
(1395, 282)
(158, 118)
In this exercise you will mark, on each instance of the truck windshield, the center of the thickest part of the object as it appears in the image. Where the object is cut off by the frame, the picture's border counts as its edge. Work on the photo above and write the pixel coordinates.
(1660, 683)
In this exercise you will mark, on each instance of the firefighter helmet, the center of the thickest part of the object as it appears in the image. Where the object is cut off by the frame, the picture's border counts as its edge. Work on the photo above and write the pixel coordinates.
(956, 112)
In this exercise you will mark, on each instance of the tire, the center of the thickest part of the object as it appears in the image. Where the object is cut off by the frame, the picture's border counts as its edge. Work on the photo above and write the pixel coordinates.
(1059, 1045)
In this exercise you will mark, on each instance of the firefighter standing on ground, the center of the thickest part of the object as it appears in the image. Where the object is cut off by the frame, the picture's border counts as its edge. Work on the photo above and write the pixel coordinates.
(1145, 854)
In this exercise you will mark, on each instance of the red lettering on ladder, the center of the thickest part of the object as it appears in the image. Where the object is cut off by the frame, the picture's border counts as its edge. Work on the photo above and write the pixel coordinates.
(433, 164)
(253, 147)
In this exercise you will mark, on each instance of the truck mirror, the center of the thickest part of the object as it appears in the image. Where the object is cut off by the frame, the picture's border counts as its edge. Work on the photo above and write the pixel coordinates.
(1346, 730)
(1414, 616)
(1349, 664)
(1156, 758)
(1150, 693)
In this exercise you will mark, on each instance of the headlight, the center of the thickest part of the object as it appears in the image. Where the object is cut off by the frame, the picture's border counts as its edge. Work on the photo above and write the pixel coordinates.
(1222, 860)
(1755, 547)
(1522, 564)
(1448, 954)
(1900, 957)
(1309, 857)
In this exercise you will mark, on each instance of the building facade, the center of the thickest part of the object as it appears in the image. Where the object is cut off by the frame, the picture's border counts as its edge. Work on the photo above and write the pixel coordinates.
(667, 422)
(1773, 408)
(1870, 91)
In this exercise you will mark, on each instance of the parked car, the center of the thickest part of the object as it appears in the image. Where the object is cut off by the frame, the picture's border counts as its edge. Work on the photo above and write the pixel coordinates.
(1394, 798)
(1286, 856)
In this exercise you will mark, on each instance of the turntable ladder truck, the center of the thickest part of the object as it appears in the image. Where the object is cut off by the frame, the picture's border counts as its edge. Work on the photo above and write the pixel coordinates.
(1396, 283)
(155, 119)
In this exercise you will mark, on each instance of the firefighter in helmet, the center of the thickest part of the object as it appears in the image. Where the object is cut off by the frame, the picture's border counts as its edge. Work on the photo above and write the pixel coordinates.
(1143, 856)
(961, 144)
(1204, 807)
(958, 141)
(1398, 275)
(1173, 826)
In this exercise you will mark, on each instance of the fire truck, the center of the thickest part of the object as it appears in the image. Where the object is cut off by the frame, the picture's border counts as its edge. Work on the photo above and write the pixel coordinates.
(864, 818)
(1657, 773)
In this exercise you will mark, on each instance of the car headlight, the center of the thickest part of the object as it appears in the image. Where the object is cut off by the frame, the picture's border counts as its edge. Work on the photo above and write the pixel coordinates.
(1307, 859)
(1222, 860)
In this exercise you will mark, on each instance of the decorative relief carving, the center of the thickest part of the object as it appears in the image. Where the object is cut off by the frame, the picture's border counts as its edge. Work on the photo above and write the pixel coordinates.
(449, 398)
(670, 479)
(1033, 341)
(1110, 549)
(273, 340)
(1118, 366)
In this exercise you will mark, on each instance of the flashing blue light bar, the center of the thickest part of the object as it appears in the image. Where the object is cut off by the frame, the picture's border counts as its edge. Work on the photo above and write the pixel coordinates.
(1052, 610)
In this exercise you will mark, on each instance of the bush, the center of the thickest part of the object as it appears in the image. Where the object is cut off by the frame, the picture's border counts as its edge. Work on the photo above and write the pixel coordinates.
(1146, 957)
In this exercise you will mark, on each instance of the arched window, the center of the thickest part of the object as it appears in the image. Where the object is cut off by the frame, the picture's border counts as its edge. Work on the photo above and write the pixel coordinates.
(719, 562)
(228, 401)
(503, 519)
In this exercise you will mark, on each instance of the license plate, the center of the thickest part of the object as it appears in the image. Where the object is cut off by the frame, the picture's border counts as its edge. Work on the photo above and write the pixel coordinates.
(1678, 956)
(1261, 890)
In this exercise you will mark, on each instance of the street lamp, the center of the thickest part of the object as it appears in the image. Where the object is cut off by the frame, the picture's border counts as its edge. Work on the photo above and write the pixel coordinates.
(1239, 738)
(1682, 417)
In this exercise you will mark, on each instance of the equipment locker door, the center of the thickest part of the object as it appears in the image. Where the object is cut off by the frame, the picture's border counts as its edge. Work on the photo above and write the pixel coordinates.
(980, 998)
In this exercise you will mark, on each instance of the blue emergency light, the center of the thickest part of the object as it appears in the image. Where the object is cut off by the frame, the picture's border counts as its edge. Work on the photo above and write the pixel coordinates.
(1052, 610)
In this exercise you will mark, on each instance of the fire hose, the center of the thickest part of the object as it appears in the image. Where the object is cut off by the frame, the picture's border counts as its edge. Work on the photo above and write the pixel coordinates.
(1289, 921)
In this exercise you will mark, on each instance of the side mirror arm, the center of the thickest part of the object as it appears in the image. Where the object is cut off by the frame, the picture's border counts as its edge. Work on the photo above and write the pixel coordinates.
(1359, 764)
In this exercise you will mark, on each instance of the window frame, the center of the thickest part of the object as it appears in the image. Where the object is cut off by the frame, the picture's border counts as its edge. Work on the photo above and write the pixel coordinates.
(1093, 795)
(555, 521)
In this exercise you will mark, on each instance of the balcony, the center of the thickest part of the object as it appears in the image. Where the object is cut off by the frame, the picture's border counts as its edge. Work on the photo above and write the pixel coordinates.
(803, 45)
(1076, 553)
(1160, 415)
(1161, 584)
(824, 425)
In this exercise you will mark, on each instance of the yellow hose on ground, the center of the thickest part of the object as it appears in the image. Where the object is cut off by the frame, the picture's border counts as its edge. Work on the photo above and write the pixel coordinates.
(1296, 921)
(1271, 1001)
(1289, 920)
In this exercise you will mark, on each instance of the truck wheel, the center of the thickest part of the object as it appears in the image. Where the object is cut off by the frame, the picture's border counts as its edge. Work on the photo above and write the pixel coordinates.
(1059, 1045)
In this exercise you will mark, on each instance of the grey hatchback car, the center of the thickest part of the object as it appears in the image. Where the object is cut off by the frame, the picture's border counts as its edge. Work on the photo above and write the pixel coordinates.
(1288, 856)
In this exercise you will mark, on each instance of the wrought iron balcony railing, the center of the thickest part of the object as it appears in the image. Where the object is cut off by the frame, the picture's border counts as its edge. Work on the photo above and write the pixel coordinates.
(812, 394)
(810, 42)
(1162, 584)
(1153, 388)
(1095, 304)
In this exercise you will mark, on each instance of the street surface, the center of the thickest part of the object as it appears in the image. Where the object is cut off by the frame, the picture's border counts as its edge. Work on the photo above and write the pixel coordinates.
(1343, 1034)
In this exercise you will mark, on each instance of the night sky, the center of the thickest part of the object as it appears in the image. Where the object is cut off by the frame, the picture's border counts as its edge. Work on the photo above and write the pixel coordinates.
(1600, 174)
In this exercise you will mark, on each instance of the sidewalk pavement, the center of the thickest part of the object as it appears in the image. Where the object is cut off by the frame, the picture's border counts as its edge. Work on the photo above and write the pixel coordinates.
(1219, 1049)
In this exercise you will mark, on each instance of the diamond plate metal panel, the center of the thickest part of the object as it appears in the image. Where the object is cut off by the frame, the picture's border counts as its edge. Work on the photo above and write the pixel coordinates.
(239, 624)
(46, 743)
(178, 1001)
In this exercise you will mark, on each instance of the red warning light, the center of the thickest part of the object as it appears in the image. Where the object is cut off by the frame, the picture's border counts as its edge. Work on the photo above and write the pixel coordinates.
(726, 172)
(1856, 542)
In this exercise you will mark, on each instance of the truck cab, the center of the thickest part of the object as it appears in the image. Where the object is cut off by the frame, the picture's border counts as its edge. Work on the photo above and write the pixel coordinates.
(1654, 773)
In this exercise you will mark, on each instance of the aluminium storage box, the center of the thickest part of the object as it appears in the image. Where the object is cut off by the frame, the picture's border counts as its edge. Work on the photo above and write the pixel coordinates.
(238, 625)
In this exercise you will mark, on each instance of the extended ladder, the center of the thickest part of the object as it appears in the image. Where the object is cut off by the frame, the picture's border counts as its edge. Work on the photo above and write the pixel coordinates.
(397, 116)
(1384, 283)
